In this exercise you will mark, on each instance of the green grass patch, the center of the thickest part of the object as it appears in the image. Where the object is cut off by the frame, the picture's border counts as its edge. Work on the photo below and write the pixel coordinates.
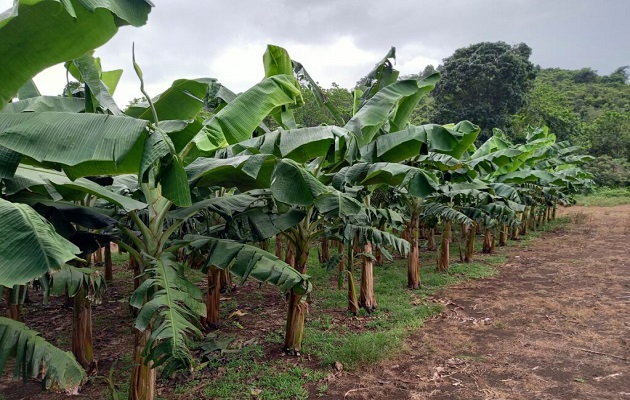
(605, 197)
(244, 376)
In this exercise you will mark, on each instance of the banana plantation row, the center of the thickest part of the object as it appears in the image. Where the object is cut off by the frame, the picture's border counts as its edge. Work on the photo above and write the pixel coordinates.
(197, 170)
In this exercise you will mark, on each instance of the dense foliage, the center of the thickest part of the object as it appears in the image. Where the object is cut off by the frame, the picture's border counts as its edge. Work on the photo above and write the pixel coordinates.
(589, 110)
(485, 83)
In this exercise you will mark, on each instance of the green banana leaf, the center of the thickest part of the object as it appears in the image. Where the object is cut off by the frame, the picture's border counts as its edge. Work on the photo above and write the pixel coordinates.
(240, 118)
(99, 93)
(226, 206)
(33, 355)
(69, 280)
(366, 123)
(58, 186)
(30, 247)
(247, 261)
(36, 34)
(294, 185)
(46, 103)
(243, 172)
(170, 306)
(182, 101)
(28, 90)
(84, 144)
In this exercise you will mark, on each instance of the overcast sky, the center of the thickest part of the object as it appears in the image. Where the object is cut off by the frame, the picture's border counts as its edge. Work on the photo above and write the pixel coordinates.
(340, 40)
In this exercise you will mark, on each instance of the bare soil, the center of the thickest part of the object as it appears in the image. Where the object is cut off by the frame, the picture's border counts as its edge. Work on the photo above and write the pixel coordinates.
(555, 324)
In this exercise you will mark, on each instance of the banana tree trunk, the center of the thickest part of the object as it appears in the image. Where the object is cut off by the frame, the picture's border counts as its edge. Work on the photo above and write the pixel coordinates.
(554, 211)
(279, 245)
(431, 240)
(413, 262)
(211, 319)
(295, 324)
(341, 267)
(470, 244)
(135, 267)
(264, 245)
(324, 254)
(109, 271)
(97, 256)
(225, 277)
(297, 307)
(532, 218)
(514, 233)
(143, 377)
(503, 235)
(444, 258)
(463, 228)
(524, 219)
(353, 301)
(82, 329)
(367, 300)
(290, 254)
(14, 308)
(487, 241)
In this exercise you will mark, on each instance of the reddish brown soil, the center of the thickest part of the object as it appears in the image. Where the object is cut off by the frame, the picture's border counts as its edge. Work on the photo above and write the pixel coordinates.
(554, 325)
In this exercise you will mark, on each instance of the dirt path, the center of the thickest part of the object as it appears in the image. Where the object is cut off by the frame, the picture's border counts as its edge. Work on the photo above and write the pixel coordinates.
(554, 325)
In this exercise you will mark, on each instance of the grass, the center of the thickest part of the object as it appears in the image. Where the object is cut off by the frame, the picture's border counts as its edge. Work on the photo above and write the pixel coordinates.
(605, 197)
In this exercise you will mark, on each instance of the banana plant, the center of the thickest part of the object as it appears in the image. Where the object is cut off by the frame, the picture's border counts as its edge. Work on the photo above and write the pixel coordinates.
(155, 143)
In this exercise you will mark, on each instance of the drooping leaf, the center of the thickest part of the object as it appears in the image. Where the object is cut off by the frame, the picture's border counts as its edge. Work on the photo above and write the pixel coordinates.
(46, 103)
(34, 355)
(71, 279)
(242, 172)
(30, 246)
(28, 90)
(58, 186)
(85, 144)
(292, 184)
(172, 310)
(249, 261)
(92, 78)
(88, 217)
(182, 101)
(175, 183)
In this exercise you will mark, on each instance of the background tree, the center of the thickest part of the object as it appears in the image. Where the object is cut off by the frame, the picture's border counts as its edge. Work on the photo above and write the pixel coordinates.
(586, 109)
(485, 83)
(314, 114)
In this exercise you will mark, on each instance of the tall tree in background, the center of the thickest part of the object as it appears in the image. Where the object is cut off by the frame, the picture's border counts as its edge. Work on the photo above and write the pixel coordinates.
(485, 83)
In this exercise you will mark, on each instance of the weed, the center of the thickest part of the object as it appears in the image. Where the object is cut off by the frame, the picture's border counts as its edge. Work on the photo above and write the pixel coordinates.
(581, 218)
(605, 197)
(322, 389)
(500, 325)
